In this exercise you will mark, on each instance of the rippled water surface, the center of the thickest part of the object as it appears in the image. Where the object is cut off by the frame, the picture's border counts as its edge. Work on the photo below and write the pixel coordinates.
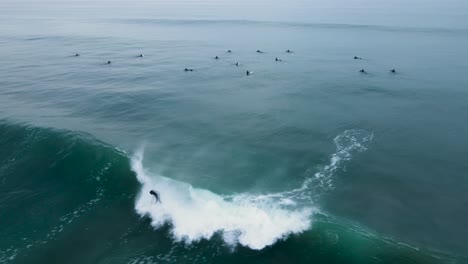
(305, 160)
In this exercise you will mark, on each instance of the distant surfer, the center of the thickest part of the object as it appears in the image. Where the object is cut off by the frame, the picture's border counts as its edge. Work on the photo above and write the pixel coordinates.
(187, 69)
(259, 51)
(108, 62)
(288, 51)
(357, 58)
(393, 71)
(216, 58)
(156, 195)
(77, 55)
(248, 73)
(140, 56)
(362, 71)
(229, 51)
(237, 64)
(276, 59)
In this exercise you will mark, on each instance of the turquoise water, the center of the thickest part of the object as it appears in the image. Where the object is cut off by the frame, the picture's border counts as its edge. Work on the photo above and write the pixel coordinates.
(304, 161)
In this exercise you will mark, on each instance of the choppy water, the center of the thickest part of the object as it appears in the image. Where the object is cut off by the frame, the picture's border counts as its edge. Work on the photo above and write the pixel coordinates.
(304, 161)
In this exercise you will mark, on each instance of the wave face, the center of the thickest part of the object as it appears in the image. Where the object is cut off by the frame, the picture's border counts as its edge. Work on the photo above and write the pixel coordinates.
(52, 183)
(254, 221)
(67, 195)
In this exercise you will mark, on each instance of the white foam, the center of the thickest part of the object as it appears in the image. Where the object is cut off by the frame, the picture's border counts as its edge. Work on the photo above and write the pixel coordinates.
(347, 143)
(196, 214)
(254, 221)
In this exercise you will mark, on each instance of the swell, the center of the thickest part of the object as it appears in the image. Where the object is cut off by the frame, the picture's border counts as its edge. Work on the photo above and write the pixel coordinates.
(288, 24)
(68, 195)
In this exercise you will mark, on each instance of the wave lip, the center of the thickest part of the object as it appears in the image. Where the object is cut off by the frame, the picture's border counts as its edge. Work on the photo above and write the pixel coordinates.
(195, 214)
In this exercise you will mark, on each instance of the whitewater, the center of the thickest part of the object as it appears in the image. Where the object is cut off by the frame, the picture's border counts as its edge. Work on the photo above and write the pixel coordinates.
(250, 220)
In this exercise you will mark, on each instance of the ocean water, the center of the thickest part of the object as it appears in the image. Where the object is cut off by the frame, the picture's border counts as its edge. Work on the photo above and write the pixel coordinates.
(304, 161)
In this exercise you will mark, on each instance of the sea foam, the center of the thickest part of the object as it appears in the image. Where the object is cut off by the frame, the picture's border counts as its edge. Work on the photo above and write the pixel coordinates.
(196, 214)
(254, 221)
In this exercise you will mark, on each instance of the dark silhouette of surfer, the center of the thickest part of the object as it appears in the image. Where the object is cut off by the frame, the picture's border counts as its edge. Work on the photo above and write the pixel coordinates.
(289, 51)
(156, 195)
(357, 58)
(259, 51)
(108, 62)
(77, 55)
(187, 69)
(276, 59)
(248, 73)
(393, 71)
(362, 71)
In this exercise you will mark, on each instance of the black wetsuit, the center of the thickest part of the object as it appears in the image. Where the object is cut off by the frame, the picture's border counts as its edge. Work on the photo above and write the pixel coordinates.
(156, 195)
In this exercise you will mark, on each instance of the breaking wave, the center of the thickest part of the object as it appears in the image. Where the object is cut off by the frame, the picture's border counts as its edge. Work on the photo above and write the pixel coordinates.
(254, 221)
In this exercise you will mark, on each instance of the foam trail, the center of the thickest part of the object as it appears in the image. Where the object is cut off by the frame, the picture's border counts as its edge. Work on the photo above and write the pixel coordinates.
(254, 221)
(347, 143)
